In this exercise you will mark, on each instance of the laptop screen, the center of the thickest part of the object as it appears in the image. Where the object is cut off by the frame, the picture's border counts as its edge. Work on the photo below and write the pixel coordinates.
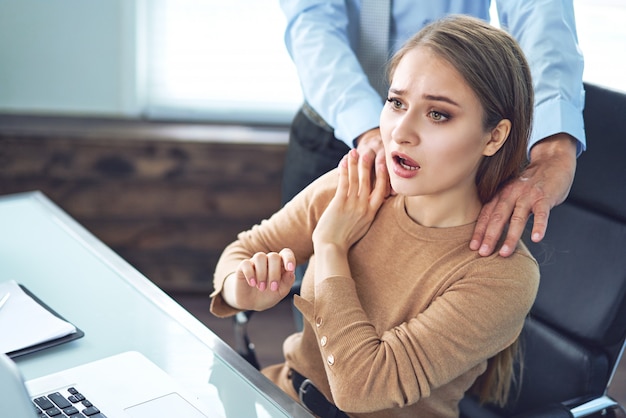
(15, 399)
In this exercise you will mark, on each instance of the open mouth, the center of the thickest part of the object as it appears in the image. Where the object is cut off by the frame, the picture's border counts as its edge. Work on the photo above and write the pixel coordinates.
(406, 163)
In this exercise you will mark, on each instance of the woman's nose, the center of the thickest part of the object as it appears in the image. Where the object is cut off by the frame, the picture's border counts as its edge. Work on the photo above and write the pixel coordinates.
(406, 130)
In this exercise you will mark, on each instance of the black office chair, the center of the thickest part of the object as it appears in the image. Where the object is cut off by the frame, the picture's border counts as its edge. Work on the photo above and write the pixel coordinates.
(574, 336)
(243, 346)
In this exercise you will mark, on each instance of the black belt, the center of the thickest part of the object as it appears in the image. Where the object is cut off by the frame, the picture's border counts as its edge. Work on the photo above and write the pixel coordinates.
(315, 117)
(313, 399)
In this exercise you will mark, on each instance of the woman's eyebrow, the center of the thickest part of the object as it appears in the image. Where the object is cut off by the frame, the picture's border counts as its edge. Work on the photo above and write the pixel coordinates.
(399, 92)
(431, 97)
(440, 99)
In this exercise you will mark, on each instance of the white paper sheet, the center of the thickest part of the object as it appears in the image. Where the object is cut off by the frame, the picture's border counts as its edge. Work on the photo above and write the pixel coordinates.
(24, 322)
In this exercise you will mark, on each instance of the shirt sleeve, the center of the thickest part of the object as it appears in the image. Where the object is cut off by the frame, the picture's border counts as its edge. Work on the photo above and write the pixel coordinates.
(546, 31)
(472, 320)
(320, 39)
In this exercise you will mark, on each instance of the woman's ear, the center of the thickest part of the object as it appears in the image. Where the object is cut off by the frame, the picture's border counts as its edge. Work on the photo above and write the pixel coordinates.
(499, 135)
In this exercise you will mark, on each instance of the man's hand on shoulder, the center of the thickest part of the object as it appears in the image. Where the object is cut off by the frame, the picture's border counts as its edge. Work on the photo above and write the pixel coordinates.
(544, 184)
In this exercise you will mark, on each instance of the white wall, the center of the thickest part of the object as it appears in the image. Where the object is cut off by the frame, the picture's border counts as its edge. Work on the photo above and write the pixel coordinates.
(68, 57)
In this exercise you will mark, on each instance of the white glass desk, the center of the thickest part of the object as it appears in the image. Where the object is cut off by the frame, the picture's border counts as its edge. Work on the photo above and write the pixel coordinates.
(119, 310)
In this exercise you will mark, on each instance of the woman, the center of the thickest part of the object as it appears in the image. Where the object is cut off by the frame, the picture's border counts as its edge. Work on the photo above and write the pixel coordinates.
(400, 317)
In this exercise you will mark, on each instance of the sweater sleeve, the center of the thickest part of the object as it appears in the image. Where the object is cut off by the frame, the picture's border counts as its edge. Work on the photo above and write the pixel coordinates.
(291, 227)
(469, 322)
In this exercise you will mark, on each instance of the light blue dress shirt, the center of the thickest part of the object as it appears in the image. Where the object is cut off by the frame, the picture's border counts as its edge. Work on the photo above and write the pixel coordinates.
(322, 35)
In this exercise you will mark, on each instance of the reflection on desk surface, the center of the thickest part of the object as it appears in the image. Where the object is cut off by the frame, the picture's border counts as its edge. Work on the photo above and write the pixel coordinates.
(120, 310)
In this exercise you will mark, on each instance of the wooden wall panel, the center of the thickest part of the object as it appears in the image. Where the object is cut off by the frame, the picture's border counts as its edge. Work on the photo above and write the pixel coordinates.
(167, 206)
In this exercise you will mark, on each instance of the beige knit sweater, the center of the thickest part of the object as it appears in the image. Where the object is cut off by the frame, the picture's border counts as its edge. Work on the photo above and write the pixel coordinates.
(413, 327)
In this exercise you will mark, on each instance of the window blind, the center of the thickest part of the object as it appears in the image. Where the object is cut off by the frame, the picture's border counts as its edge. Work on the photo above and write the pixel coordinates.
(218, 60)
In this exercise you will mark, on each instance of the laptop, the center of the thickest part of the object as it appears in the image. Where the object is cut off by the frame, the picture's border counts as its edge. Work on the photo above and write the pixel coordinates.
(126, 385)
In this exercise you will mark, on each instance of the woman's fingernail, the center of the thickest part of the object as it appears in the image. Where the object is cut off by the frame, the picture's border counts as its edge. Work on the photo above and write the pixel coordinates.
(253, 282)
(262, 286)
(273, 286)
(290, 267)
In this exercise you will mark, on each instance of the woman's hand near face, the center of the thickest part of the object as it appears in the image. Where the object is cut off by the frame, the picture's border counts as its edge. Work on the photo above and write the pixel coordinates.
(261, 282)
(350, 213)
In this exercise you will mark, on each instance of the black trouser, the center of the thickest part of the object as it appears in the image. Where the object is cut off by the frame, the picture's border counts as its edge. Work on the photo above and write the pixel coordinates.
(312, 151)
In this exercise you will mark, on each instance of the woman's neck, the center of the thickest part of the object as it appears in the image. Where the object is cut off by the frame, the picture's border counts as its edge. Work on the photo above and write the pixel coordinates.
(442, 212)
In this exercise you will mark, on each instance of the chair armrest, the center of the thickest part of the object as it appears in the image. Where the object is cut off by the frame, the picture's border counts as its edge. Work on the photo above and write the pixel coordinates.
(243, 346)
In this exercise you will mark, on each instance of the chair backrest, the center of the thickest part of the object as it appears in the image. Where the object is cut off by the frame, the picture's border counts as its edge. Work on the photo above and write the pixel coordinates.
(575, 333)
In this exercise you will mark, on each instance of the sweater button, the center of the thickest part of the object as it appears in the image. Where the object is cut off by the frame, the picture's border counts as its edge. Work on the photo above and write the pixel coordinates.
(330, 359)
(323, 341)
(318, 321)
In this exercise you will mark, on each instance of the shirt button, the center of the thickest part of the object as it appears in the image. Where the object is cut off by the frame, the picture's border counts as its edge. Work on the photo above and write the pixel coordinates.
(318, 321)
(323, 341)
(330, 359)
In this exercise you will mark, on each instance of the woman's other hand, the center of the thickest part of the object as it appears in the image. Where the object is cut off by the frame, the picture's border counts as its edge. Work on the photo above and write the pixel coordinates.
(262, 281)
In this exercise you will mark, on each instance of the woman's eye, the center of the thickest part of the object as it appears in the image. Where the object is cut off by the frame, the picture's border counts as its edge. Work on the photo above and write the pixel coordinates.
(395, 103)
(437, 116)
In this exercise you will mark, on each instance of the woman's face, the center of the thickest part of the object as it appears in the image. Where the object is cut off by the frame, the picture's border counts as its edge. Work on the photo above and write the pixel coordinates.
(432, 129)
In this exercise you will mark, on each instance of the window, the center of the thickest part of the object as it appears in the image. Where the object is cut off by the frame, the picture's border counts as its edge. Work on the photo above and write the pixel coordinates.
(226, 60)
(602, 39)
(218, 60)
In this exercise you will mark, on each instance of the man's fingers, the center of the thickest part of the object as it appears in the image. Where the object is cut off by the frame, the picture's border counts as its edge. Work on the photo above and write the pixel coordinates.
(518, 225)
(516, 229)
(493, 233)
(494, 217)
(541, 213)
(481, 224)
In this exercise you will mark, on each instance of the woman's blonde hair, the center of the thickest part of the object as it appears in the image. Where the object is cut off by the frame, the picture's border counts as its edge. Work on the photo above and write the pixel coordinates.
(494, 66)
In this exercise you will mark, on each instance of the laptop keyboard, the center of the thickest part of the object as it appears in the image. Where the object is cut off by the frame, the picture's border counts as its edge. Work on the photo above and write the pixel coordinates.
(71, 404)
